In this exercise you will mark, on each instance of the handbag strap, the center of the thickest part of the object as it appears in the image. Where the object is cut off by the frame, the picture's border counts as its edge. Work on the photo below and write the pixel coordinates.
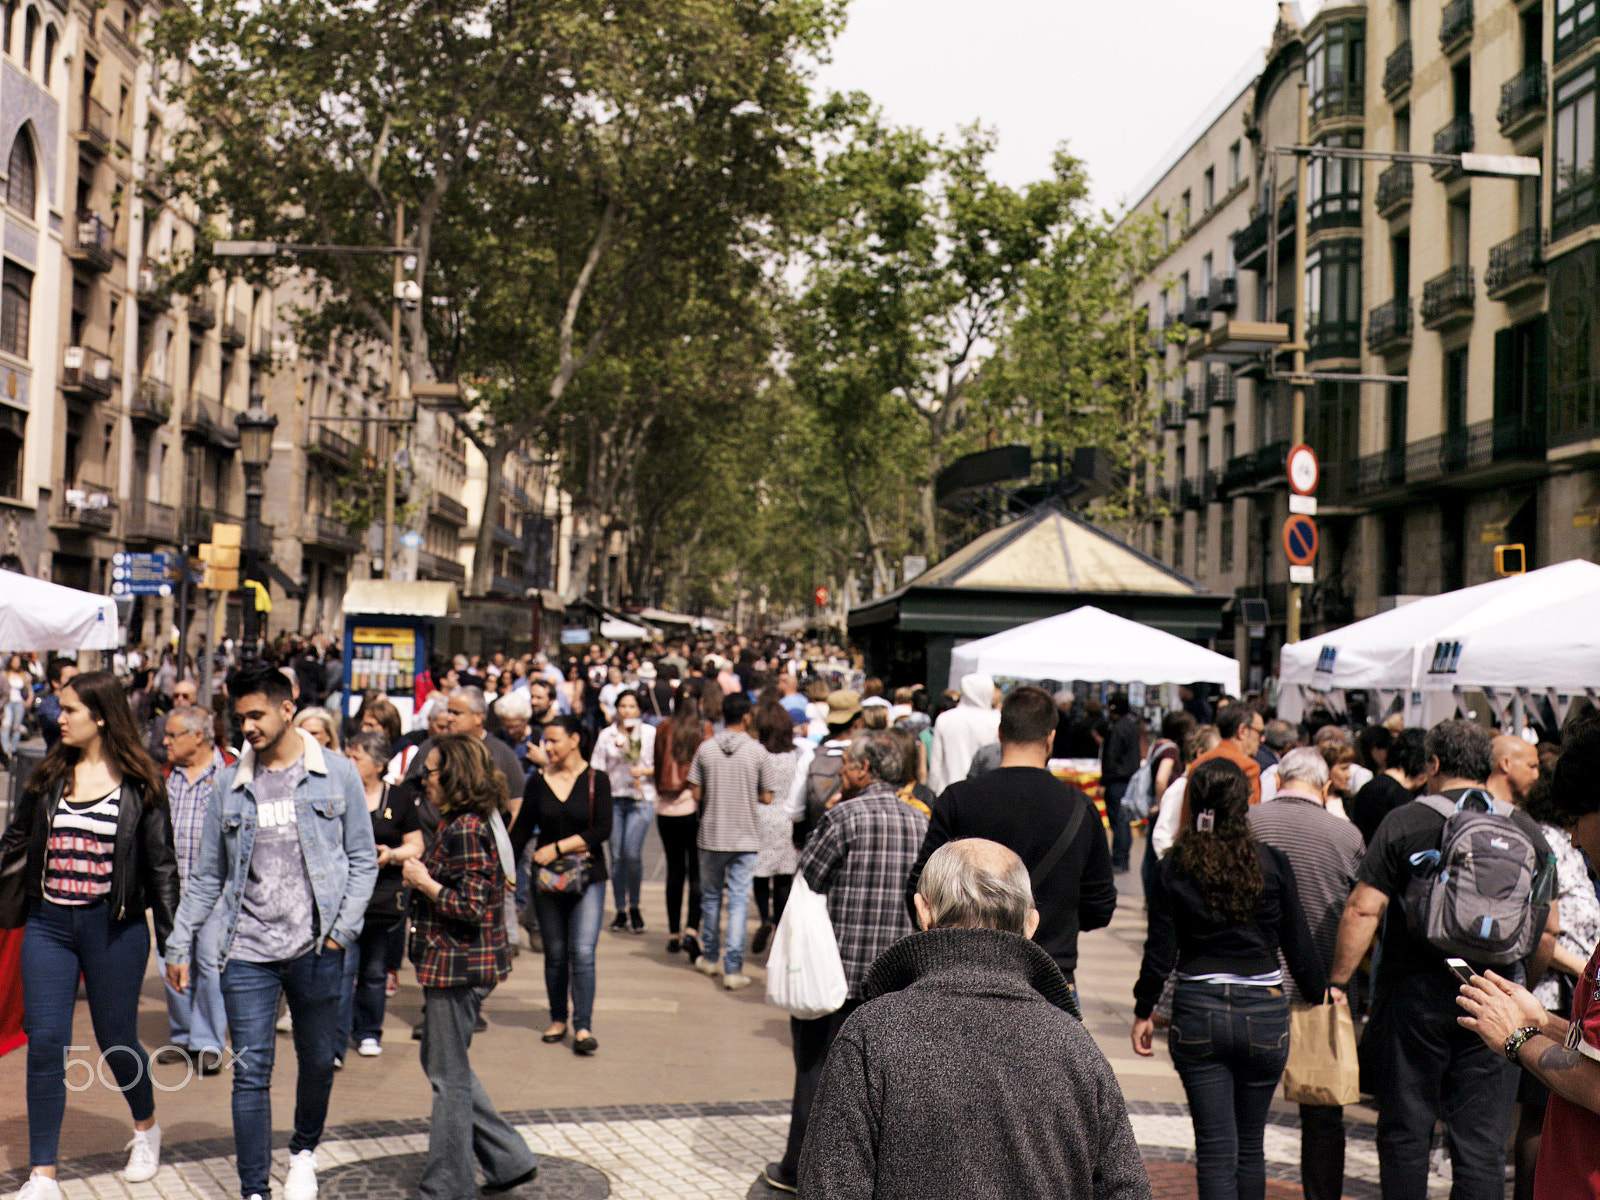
(1049, 861)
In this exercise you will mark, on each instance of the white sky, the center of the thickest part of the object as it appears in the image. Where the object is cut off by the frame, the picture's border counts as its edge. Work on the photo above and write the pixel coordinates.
(1118, 80)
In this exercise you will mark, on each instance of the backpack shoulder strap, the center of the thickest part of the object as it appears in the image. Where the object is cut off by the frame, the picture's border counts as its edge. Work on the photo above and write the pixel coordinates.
(1442, 805)
(1049, 861)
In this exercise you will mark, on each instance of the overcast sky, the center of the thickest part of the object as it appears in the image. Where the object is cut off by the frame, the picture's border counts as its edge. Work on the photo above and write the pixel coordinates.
(1119, 82)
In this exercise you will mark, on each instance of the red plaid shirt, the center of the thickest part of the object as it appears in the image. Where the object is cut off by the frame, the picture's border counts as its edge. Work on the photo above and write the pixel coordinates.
(459, 939)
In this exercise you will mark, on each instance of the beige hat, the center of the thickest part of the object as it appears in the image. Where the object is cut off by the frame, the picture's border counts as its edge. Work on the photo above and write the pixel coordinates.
(844, 706)
(647, 670)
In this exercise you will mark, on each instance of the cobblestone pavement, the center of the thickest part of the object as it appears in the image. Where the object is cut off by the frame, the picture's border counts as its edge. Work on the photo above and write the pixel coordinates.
(687, 1097)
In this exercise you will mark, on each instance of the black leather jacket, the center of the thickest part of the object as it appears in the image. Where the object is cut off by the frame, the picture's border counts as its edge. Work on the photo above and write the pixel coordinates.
(144, 870)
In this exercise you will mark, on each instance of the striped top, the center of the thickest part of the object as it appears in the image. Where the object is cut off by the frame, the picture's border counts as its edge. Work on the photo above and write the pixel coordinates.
(78, 856)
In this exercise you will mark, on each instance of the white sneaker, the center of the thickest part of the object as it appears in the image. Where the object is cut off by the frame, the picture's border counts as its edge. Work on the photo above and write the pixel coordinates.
(370, 1048)
(708, 966)
(144, 1155)
(285, 1023)
(301, 1182)
(734, 982)
(40, 1187)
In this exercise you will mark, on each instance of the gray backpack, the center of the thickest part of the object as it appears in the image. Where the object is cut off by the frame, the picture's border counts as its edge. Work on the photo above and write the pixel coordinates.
(1474, 897)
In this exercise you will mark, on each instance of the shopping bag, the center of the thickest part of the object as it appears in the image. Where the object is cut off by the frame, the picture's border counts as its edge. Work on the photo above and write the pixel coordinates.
(1322, 1066)
(805, 977)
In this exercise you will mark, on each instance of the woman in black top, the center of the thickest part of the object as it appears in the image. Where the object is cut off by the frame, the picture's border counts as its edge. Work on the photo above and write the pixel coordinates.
(570, 805)
(1221, 907)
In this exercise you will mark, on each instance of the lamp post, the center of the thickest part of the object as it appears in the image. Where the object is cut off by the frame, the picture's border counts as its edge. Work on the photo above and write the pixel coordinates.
(256, 427)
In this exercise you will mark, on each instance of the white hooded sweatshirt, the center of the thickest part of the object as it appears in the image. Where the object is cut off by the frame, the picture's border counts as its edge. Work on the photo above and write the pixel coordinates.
(957, 734)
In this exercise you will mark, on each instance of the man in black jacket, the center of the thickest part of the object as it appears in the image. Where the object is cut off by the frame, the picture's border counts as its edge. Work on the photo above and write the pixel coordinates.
(969, 1017)
(1119, 763)
(1024, 807)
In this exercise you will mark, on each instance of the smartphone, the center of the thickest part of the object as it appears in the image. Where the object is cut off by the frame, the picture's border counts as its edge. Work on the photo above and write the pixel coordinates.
(1459, 966)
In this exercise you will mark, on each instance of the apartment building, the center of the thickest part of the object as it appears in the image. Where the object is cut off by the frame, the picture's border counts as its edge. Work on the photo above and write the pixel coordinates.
(1450, 318)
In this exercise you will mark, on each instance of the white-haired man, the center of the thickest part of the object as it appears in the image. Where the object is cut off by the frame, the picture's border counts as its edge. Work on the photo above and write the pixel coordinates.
(970, 1017)
(1324, 851)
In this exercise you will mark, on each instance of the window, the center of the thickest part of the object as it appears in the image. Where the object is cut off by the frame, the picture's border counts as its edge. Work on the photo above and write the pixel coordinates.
(1185, 209)
(1575, 25)
(1336, 70)
(1333, 186)
(1206, 272)
(1235, 171)
(16, 307)
(1333, 299)
(1573, 196)
(1208, 190)
(30, 32)
(1402, 21)
(1402, 130)
(1202, 548)
(1225, 538)
(1395, 417)
(1455, 390)
(51, 38)
(1177, 542)
(22, 181)
(10, 20)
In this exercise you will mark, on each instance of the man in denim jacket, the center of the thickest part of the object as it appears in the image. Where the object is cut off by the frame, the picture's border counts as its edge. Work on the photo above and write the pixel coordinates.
(286, 858)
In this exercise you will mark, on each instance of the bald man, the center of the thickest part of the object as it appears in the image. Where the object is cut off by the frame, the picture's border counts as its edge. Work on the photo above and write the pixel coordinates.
(1515, 771)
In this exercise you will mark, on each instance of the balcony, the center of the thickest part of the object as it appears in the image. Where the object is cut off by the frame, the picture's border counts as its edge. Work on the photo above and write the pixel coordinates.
(436, 566)
(1397, 70)
(85, 373)
(1172, 416)
(334, 447)
(1380, 472)
(1455, 24)
(208, 419)
(95, 134)
(1333, 339)
(448, 508)
(152, 403)
(152, 294)
(1522, 99)
(1251, 242)
(1286, 211)
(1494, 447)
(1447, 298)
(1516, 265)
(1190, 494)
(85, 507)
(1454, 138)
(145, 520)
(91, 244)
(236, 330)
(1223, 295)
(1389, 326)
(334, 534)
(1196, 312)
(203, 309)
(507, 586)
(1194, 402)
(1258, 468)
(1221, 389)
(1395, 186)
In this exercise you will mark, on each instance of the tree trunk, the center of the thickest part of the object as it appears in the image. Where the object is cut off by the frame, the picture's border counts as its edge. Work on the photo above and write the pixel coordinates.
(483, 549)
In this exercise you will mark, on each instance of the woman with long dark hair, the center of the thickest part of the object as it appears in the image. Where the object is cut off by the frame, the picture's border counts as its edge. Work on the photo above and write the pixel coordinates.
(458, 944)
(98, 833)
(1221, 906)
(570, 804)
(626, 752)
(677, 815)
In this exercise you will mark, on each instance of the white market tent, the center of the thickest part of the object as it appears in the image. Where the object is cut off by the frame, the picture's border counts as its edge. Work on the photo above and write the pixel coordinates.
(1091, 644)
(1519, 634)
(38, 615)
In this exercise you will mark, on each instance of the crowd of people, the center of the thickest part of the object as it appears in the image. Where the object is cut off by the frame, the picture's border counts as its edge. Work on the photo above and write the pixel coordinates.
(288, 854)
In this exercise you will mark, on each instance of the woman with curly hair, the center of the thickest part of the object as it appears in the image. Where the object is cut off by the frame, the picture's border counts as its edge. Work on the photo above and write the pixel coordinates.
(1221, 907)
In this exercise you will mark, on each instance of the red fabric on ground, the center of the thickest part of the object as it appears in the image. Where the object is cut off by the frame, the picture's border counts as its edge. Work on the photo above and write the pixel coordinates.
(11, 1035)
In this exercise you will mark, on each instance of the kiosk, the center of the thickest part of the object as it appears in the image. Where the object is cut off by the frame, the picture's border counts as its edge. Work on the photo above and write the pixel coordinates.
(390, 630)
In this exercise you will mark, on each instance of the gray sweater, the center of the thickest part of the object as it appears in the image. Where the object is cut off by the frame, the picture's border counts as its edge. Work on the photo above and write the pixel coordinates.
(965, 1076)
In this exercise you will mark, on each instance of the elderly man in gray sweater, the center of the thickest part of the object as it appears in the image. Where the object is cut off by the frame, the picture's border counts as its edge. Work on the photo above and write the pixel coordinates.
(965, 1074)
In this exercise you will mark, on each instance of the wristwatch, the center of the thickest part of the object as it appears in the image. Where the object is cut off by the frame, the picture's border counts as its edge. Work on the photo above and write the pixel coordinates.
(1516, 1040)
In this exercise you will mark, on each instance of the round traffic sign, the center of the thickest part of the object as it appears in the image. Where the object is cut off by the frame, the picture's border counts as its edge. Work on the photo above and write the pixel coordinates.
(1300, 540)
(1303, 470)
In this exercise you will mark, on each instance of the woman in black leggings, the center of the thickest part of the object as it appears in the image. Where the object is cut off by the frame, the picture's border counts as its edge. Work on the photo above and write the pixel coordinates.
(677, 816)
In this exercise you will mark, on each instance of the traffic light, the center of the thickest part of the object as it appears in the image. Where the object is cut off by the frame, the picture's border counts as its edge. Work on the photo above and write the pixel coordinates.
(221, 558)
(1510, 559)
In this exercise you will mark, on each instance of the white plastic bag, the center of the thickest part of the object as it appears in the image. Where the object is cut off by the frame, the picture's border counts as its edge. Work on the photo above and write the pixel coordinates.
(805, 977)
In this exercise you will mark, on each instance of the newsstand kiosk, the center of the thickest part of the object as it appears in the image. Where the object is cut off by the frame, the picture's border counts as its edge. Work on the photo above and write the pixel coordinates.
(390, 628)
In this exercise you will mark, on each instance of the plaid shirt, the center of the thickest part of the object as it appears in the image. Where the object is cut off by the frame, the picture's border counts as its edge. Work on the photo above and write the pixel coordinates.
(860, 857)
(188, 802)
(459, 939)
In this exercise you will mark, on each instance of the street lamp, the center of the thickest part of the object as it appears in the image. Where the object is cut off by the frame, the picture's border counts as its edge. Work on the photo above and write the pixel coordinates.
(256, 427)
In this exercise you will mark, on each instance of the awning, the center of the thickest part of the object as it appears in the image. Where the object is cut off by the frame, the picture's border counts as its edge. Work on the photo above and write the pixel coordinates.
(401, 598)
(290, 587)
(36, 614)
(614, 630)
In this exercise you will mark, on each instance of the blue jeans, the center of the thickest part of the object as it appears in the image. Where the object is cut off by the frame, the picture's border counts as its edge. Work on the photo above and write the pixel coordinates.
(251, 990)
(196, 1018)
(570, 929)
(464, 1122)
(58, 942)
(1121, 831)
(1229, 1044)
(11, 725)
(733, 868)
(630, 821)
(361, 993)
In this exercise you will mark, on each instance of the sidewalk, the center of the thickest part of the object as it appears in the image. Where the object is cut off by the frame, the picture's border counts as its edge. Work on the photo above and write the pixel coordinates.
(688, 1095)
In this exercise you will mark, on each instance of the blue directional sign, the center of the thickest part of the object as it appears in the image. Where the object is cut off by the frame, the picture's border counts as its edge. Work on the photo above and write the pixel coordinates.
(143, 574)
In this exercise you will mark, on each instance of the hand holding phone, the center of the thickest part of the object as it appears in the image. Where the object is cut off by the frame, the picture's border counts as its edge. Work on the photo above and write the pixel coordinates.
(1460, 967)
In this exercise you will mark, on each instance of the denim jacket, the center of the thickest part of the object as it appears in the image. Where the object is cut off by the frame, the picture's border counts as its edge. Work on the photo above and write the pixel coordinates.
(335, 839)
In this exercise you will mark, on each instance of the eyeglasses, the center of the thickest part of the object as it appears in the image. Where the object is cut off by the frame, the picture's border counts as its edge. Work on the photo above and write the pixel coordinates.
(426, 771)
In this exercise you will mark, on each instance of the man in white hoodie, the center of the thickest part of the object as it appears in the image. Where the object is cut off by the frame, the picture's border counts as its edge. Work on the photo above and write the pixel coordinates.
(958, 733)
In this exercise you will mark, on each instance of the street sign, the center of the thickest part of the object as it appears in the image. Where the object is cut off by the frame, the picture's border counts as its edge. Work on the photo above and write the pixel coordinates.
(1300, 540)
(1305, 505)
(1303, 470)
(1302, 575)
(143, 574)
(411, 539)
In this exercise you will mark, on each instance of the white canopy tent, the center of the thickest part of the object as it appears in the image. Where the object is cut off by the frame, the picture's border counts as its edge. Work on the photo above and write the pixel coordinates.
(1420, 651)
(38, 615)
(1091, 644)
